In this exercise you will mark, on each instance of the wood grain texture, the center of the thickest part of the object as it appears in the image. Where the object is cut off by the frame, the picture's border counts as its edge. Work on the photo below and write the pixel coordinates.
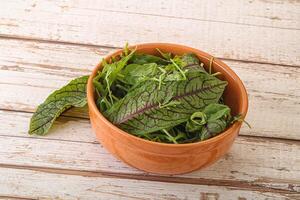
(257, 162)
(75, 187)
(276, 14)
(77, 24)
(46, 43)
(34, 69)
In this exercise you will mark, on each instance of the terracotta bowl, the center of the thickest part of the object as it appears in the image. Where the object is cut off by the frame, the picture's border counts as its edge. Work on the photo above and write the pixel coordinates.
(164, 158)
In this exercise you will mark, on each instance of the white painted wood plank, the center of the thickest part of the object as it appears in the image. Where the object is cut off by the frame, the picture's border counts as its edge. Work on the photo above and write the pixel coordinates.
(73, 60)
(258, 162)
(279, 13)
(51, 21)
(43, 185)
(16, 124)
(276, 14)
(35, 69)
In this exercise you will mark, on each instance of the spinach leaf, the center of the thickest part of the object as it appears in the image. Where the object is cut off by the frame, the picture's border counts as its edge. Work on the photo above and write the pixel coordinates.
(209, 122)
(212, 129)
(134, 73)
(139, 112)
(72, 94)
(196, 121)
(139, 58)
(189, 59)
(216, 111)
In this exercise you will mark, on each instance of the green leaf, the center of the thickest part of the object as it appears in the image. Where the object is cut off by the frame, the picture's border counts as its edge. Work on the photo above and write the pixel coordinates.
(134, 73)
(239, 118)
(116, 67)
(146, 58)
(180, 64)
(104, 80)
(212, 129)
(139, 111)
(216, 111)
(211, 121)
(196, 121)
(189, 59)
(72, 94)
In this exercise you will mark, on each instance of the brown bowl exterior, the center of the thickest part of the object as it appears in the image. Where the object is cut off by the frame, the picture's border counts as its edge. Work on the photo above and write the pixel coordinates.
(170, 158)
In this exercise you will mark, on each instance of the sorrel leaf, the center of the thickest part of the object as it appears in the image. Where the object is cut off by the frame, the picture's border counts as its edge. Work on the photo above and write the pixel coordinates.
(140, 111)
(72, 94)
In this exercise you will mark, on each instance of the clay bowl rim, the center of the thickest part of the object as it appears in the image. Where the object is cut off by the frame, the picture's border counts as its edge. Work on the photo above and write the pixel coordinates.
(244, 103)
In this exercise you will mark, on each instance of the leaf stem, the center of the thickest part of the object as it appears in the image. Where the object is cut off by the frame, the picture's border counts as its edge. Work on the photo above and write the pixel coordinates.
(170, 136)
(239, 118)
(166, 56)
(126, 50)
(178, 68)
(115, 98)
(216, 74)
(169, 104)
(122, 87)
(109, 91)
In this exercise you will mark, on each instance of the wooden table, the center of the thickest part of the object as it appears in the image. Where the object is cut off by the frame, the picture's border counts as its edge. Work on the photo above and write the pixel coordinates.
(46, 43)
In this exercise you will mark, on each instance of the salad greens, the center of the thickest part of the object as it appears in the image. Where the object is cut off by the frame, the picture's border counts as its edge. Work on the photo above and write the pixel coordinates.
(166, 98)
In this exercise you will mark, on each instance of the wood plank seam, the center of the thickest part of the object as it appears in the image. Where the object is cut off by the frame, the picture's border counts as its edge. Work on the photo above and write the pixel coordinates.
(243, 185)
(20, 148)
(191, 18)
(45, 138)
(277, 139)
(42, 40)
(16, 197)
(270, 139)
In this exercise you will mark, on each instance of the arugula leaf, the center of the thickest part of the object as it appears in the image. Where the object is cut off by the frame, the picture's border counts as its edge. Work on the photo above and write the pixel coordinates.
(139, 111)
(72, 94)
(104, 80)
